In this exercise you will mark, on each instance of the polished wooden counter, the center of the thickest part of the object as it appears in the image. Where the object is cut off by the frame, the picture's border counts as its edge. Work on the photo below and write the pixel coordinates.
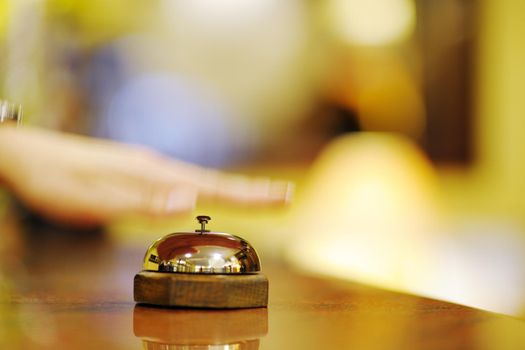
(74, 291)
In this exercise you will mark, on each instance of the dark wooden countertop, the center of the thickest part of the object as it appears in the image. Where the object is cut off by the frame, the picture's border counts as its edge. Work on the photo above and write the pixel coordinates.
(75, 292)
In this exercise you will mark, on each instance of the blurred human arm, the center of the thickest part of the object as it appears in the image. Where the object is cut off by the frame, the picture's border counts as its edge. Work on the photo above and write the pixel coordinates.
(81, 180)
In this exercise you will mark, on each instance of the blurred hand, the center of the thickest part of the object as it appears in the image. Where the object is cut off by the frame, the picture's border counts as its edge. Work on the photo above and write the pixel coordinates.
(81, 180)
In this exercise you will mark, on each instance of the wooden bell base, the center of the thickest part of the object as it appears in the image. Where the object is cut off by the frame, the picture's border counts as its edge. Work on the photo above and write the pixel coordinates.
(200, 290)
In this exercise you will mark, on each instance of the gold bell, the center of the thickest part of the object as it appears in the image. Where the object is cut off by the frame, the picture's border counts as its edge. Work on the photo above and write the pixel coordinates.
(201, 269)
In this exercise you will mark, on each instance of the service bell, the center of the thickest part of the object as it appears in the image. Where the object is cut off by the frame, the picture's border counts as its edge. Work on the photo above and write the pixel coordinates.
(201, 269)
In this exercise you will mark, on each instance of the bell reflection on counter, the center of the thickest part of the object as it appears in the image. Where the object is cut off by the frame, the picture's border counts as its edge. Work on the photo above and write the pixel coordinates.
(200, 329)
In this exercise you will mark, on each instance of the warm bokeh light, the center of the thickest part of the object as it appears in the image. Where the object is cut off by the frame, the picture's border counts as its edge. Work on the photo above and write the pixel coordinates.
(372, 22)
(227, 11)
(392, 101)
(367, 212)
(4, 18)
(370, 212)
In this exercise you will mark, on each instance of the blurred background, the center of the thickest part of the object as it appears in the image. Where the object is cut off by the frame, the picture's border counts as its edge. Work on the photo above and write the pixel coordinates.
(400, 121)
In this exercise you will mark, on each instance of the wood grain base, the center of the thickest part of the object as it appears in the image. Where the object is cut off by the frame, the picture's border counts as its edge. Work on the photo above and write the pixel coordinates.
(201, 291)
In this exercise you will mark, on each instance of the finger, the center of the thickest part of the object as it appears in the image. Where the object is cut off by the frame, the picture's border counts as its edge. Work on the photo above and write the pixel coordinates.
(208, 183)
(110, 199)
(242, 189)
(168, 201)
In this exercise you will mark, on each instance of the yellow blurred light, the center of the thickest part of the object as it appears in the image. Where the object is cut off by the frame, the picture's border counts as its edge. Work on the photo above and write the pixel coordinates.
(372, 22)
(226, 10)
(98, 21)
(368, 212)
(393, 104)
(4, 17)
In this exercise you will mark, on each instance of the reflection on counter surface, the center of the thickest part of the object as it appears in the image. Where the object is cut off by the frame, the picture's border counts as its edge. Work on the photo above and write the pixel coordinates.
(186, 329)
(86, 303)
